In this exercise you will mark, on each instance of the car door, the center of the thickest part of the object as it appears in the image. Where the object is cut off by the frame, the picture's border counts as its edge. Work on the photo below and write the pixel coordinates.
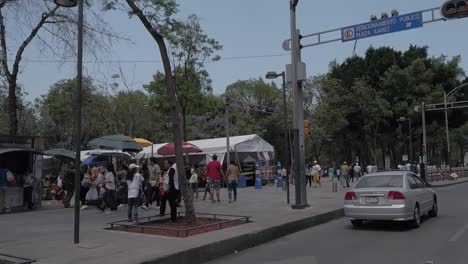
(413, 190)
(426, 195)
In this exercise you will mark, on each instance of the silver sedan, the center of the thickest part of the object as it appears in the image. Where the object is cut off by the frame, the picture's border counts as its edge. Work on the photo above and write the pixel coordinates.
(392, 195)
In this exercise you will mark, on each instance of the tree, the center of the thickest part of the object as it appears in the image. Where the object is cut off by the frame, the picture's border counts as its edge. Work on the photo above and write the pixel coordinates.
(191, 48)
(52, 27)
(156, 17)
(55, 110)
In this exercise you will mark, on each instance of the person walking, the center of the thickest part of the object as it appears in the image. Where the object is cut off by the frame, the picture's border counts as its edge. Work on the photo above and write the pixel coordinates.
(309, 175)
(85, 185)
(357, 171)
(193, 181)
(68, 184)
(215, 174)
(135, 189)
(207, 182)
(109, 186)
(171, 190)
(316, 171)
(145, 173)
(232, 175)
(122, 188)
(153, 183)
(345, 173)
(28, 191)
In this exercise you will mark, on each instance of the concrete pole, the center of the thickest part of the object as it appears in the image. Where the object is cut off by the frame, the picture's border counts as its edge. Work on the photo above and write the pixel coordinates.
(423, 115)
(447, 132)
(79, 83)
(228, 132)
(299, 159)
(286, 135)
(411, 145)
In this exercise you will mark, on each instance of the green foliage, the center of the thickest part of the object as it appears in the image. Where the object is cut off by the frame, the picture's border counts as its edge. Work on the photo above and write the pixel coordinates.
(362, 98)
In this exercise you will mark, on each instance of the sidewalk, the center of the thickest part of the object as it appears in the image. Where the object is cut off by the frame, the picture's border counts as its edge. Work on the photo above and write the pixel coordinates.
(47, 235)
(445, 183)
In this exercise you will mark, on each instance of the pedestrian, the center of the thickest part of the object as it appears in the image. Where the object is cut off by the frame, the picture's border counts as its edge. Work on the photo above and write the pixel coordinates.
(28, 191)
(110, 188)
(316, 171)
(351, 172)
(135, 189)
(122, 188)
(171, 190)
(85, 185)
(193, 181)
(215, 174)
(357, 171)
(68, 184)
(153, 184)
(309, 175)
(145, 173)
(284, 174)
(207, 183)
(232, 175)
(345, 173)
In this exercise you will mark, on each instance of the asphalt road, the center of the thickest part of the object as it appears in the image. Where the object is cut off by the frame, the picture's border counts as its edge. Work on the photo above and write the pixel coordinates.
(440, 240)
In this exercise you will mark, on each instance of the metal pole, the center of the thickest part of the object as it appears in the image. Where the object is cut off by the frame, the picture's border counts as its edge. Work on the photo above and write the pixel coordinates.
(411, 145)
(79, 83)
(423, 115)
(298, 113)
(447, 132)
(286, 134)
(228, 123)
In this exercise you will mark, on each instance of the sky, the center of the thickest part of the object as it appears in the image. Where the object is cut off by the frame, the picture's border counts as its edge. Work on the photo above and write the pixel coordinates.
(252, 32)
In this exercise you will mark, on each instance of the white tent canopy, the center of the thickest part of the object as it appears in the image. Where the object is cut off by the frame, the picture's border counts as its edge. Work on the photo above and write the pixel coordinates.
(248, 143)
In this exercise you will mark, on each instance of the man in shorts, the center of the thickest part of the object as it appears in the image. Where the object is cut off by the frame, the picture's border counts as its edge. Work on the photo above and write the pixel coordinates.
(215, 174)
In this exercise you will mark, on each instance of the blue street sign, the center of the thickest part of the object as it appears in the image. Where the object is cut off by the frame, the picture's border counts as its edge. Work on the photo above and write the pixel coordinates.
(382, 26)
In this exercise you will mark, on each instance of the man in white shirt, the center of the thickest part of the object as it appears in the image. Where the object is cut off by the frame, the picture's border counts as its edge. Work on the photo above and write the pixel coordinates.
(357, 171)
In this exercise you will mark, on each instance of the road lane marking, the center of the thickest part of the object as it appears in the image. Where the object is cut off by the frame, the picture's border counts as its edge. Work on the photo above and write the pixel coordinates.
(460, 233)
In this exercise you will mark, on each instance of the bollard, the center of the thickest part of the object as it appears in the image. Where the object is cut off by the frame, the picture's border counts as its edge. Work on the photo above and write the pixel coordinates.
(258, 178)
(242, 181)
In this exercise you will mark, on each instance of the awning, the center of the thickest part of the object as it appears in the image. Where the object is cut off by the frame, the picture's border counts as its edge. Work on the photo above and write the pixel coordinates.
(8, 150)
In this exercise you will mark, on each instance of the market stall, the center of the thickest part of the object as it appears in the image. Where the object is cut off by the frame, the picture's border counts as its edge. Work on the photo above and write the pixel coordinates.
(20, 173)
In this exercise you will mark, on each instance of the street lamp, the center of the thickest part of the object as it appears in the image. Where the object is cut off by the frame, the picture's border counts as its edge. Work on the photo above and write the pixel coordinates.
(274, 75)
(404, 119)
(455, 90)
(66, 3)
(77, 109)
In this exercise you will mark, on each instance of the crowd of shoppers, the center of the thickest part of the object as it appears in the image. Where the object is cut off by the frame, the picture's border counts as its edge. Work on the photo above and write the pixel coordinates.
(147, 185)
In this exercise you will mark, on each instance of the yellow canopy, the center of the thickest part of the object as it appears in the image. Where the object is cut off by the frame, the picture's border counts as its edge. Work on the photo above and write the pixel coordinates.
(143, 142)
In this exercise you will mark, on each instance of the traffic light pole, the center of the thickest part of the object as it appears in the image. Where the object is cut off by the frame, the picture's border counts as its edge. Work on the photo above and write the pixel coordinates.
(299, 150)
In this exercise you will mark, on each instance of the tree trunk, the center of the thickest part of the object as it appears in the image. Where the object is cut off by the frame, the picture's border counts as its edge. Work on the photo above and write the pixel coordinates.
(175, 111)
(184, 123)
(184, 188)
(13, 107)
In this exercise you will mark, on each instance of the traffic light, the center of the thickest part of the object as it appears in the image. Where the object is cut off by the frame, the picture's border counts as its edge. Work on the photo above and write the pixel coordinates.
(306, 128)
(455, 9)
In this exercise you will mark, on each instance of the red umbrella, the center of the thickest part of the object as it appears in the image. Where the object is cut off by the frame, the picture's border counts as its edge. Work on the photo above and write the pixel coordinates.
(169, 149)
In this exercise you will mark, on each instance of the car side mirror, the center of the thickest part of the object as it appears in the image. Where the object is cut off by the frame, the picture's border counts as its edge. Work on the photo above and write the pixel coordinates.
(428, 184)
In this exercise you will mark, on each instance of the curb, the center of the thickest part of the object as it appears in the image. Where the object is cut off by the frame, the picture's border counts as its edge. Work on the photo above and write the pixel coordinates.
(226, 247)
(448, 184)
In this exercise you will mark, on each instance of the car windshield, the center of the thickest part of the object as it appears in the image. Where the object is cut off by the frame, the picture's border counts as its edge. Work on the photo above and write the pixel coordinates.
(381, 181)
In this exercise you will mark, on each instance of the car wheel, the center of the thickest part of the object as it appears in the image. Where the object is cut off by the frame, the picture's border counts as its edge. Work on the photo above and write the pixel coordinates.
(356, 223)
(416, 222)
(434, 211)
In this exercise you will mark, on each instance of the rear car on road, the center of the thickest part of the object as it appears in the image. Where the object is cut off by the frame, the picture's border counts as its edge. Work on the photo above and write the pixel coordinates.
(391, 195)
